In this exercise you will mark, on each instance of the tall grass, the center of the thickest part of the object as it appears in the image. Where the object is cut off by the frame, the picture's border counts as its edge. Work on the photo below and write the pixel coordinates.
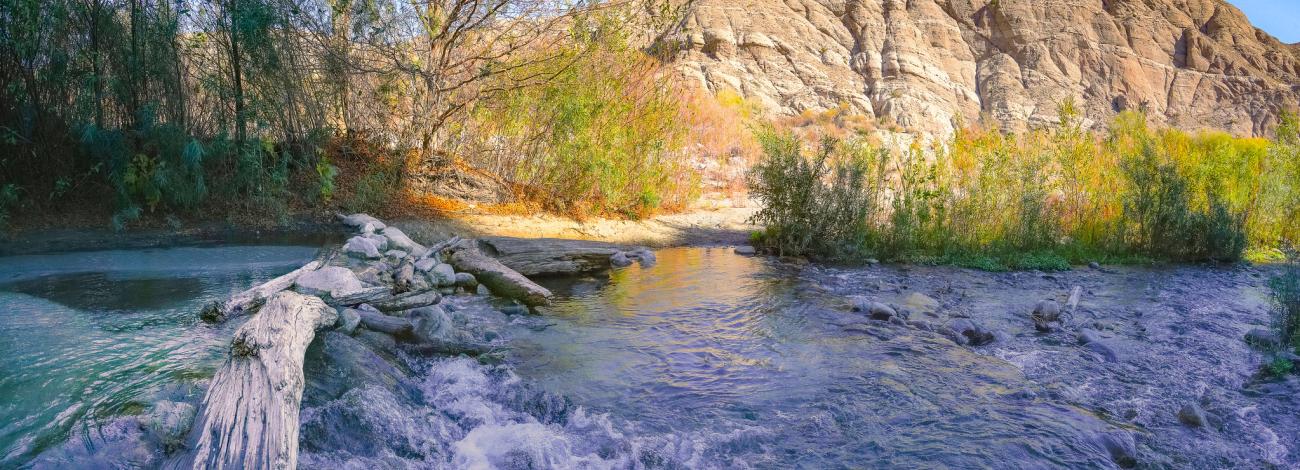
(1051, 197)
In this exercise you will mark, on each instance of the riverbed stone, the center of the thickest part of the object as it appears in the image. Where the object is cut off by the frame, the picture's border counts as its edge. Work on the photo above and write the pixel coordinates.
(746, 250)
(359, 222)
(1045, 313)
(1262, 338)
(362, 247)
(1093, 341)
(398, 239)
(443, 275)
(1192, 415)
(644, 256)
(874, 310)
(395, 254)
(466, 280)
(425, 265)
(917, 303)
(482, 290)
(973, 333)
(348, 321)
(1121, 446)
(332, 281)
(620, 260)
(170, 421)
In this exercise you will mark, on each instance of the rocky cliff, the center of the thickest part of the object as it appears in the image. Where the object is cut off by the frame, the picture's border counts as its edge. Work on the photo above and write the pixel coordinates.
(930, 64)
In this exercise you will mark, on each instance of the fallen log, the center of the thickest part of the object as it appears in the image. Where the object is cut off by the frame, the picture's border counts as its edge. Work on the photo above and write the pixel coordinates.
(407, 301)
(375, 321)
(249, 417)
(251, 299)
(499, 278)
(549, 256)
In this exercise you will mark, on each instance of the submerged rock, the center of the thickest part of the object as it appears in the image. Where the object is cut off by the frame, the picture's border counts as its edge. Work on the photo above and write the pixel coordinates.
(620, 260)
(746, 250)
(1093, 341)
(1045, 314)
(1192, 415)
(968, 332)
(874, 310)
(169, 422)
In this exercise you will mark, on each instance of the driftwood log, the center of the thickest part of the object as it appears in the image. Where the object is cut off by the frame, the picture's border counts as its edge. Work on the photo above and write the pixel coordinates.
(499, 278)
(550, 256)
(249, 417)
(249, 300)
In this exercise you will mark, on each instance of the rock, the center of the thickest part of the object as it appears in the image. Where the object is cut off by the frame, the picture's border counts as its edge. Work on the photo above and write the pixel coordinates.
(1095, 265)
(359, 222)
(482, 290)
(919, 304)
(1093, 341)
(974, 334)
(1192, 415)
(170, 421)
(925, 65)
(348, 321)
(746, 250)
(466, 280)
(1262, 338)
(443, 275)
(395, 254)
(425, 265)
(362, 247)
(399, 240)
(514, 310)
(329, 281)
(1045, 314)
(1120, 445)
(872, 261)
(428, 322)
(620, 260)
(874, 310)
(644, 256)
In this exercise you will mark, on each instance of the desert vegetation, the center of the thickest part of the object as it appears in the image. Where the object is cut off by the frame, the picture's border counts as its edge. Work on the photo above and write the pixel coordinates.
(1047, 198)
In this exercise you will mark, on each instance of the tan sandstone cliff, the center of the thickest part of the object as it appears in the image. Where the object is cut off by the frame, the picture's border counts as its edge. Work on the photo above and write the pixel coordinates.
(929, 64)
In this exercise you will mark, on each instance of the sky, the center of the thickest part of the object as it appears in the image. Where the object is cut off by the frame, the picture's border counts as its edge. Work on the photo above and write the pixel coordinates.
(1281, 18)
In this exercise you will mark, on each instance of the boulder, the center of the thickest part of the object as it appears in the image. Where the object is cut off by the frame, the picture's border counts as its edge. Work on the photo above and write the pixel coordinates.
(1045, 314)
(1262, 338)
(917, 303)
(425, 265)
(466, 280)
(348, 320)
(428, 323)
(1093, 341)
(362, 247)
(874, 310)
(620, 260)
(1192, 415)
(398, 239)
(395, 254)
(974, 334)
(443, 275)
(332, 281)
(359, 222)
(381, 242)
(169, 422)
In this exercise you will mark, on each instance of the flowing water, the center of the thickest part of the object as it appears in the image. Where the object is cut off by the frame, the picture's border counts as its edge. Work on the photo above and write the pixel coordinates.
(710, 360)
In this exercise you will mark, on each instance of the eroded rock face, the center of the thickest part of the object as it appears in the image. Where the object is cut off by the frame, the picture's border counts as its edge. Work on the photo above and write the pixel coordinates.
(929, 64)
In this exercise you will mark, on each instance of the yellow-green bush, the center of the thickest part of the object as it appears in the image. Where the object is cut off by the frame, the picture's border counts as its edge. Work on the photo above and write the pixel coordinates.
(1048, 197)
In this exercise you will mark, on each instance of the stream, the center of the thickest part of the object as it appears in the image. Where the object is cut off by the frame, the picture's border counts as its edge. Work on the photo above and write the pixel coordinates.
(707, 359)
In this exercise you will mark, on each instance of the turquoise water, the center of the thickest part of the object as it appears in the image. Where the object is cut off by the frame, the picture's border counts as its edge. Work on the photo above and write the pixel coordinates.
(89, 336)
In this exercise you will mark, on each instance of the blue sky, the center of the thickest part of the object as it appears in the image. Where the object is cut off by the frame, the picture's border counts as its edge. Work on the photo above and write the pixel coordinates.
(1281, 18)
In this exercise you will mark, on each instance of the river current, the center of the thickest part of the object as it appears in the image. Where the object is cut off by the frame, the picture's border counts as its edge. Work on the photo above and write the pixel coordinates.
(705, 360)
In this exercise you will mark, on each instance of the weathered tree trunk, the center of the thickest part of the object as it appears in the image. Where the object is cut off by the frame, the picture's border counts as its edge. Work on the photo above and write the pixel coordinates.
(549, 256)
(249, 417)
(251, 299)
(502, 280)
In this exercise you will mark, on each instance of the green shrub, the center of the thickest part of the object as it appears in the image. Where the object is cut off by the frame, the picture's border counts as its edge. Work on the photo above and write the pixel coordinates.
(8, 201)
(817, 205)
(1159, 209)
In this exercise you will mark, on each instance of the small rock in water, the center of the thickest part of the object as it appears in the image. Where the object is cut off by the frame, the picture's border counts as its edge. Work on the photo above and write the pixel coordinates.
(514, 310)
(746, 250)
(1192, 415)
(1120, 445)
(974, 334)
(873, 261)
(1262, 338)
(1045, 314)
(620, 260)
(917, 303)
(170, 421)
(466, 280)
(644, 256)
(1093, 341)
(361, 247)
(874, 310)
(1095, 265)
(348, 321)
(483, 290)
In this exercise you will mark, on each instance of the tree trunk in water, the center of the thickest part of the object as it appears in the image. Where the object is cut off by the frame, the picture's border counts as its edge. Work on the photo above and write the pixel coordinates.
(249, 417)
